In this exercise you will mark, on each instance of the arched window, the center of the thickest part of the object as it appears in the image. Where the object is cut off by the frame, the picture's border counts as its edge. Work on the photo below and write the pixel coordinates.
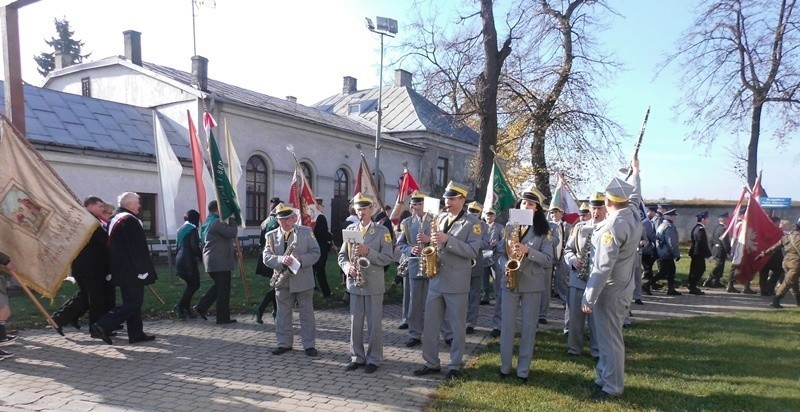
(306, 168)
(257, 207)
(341, 184)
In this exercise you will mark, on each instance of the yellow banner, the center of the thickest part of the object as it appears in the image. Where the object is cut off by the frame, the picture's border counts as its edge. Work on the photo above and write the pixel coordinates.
(42, 224)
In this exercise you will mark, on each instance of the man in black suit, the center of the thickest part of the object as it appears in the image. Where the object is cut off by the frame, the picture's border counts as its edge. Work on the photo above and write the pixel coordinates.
(131, 270)
(699, 252)
(325, 240)
(720, 249)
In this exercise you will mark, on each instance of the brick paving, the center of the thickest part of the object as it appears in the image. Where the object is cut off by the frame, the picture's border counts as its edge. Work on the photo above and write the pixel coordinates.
(197, 365)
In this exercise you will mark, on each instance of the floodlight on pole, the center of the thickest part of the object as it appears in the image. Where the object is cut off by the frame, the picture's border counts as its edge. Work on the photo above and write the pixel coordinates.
(385, 27)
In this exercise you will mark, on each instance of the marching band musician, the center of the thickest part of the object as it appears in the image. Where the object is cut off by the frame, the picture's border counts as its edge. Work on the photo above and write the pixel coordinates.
(415, 231)
(300, 286)
(577, 254)
(458, 238)
(495, 238)
(535, 251)
(476, 279)
(366, 300)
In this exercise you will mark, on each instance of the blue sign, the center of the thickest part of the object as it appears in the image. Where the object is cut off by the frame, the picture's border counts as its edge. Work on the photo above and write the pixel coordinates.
(776, 202)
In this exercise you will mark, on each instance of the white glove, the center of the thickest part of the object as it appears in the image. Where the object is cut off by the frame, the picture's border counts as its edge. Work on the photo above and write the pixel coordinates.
(108, 277)
(142, 276)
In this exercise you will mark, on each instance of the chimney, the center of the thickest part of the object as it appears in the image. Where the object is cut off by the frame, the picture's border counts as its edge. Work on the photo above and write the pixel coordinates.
(133, 46)
(402, 78)
(291, 99)
(62, 60)
(200, 72)
(350, 85)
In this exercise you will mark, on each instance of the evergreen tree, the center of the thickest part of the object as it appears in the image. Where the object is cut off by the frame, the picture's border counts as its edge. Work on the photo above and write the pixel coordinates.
(63, 43)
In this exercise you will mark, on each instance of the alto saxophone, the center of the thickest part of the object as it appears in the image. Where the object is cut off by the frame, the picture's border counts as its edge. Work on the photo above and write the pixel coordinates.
(583, 274)
(430, 254)
(359, 263)
(514, 260)
(282, 276)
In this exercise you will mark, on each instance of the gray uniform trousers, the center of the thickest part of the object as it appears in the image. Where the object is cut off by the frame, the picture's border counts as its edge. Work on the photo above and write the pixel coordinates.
(498, 291)
(369, 308)
(475, 283)
(607, 318)
(416, 308)
(453, 308)
(544, 302)
(406, 298)
(283, 320)
(577, 325)
(511, 306)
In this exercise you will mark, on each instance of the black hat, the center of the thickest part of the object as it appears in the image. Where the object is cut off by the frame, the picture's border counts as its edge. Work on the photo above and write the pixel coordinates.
(701, 216)
(671, 212)
(652, 208)
(725, 215)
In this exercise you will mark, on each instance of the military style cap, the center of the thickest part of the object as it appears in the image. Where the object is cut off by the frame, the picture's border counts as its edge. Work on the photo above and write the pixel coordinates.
(671, 212)
(417, 198)
(701, 216)
(725, 215)
(361, 201)
(618, 190)
(554, 207)
(662, 205)
(584, 207)
(597, 199)
(532, 193)
(455, 189)
(490, 211)
(652, 208)
(475, 207)
(282, 211)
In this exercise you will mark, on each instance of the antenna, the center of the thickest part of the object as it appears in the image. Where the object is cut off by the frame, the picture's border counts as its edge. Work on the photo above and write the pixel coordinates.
(196, 4)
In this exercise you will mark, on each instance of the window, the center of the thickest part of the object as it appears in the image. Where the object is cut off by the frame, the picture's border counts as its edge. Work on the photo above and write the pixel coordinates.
(257, 208)
(307, 173)
(148, 213)
(341, 184)
(86, 87)
(441, 172)
(354, 108)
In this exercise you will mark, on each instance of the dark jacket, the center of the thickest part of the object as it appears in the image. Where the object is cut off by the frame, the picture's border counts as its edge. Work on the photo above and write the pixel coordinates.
(189, 255)
(699, 248)
(129, 254)
(93, 260)
(720, 248)
(323, 235)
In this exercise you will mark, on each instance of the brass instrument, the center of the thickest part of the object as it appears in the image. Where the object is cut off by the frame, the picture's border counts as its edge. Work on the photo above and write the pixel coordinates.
(514, 260)
(359, 263)
(430, 254)
(583, 274)
(281, 276)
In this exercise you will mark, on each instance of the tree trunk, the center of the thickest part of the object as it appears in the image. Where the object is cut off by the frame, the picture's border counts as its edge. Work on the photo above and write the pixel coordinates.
(755, 133)
(541, 176)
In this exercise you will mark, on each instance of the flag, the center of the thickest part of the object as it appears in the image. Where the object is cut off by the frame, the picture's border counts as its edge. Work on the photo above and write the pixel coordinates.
(365, 185)
(500, 197)
(234, 166)
(564, 200)
(226, 197)
(407, 187)
(756, 235)
(732, 220)
(204, 186)
(302, 198)
(169, 172)
(43, 226)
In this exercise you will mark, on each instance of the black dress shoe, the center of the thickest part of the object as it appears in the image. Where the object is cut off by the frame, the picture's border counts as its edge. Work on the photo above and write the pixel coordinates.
(226, 322)
(179, 311)
(60, 330)
(98, 332)
(403, 326)
(426, 371)
(353, 366)
(470, 330)
(601, 396)
(452, 374)
(494, 333)
(449, 342)
(200, 312)
(696, 291)
(543, 321)
(522, 380)
(748, 291)
(143, 338)
(484, 302)
(370, 368)
(75, 324)
(638, 302)
(673, 292)
(504, 375)
(413, 342)
(280, 350)
(311, 352)
(260, 318)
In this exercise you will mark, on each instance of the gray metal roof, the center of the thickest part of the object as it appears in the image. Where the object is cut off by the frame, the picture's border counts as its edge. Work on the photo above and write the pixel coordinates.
(56, 118)
(404, 110)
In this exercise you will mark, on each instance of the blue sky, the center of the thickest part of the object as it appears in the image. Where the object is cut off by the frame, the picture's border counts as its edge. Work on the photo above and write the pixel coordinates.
(303, 48)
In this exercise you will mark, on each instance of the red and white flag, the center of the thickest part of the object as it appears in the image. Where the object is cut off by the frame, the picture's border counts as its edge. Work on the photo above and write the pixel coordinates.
(407, 187)
(564, 200)
(757, 234)
(302, 198)
(204, 186)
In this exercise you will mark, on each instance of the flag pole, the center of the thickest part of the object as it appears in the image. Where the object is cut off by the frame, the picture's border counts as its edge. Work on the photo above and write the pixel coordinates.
(163, 203)
(33, 299)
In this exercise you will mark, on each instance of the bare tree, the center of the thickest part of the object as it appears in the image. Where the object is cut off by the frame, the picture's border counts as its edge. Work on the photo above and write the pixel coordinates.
(738, 56)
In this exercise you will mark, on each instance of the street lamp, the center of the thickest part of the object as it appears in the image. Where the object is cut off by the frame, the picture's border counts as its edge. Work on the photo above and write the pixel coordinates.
(386, 27)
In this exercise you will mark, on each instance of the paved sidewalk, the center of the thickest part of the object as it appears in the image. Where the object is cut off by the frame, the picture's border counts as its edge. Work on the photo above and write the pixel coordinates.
(197, 365)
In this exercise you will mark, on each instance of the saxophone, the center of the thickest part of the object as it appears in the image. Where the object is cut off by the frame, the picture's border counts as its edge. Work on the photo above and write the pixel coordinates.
(430, 254)
(583, 274)
(359, 262)
(281, 276)
(514, 260)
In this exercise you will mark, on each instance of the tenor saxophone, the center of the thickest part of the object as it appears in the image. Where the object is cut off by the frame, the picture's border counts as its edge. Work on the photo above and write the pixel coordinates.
(430, 254)
(514, 263)
(282, 276)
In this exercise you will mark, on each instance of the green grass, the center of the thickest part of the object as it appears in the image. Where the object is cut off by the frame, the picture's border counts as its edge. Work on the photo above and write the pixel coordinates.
(170, 287)
(737, 362)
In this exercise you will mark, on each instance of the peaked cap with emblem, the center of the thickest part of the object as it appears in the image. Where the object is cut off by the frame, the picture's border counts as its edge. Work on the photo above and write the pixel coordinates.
(361, 201)
(475, 207)
(725, 215)
(490, 211)
(618, 190)
(584, 207)
(671, 212)
(417, 198)
(554, 207)
(701, 216)
(597, 199)
(532, 193)
(282, 211)
(455, 189)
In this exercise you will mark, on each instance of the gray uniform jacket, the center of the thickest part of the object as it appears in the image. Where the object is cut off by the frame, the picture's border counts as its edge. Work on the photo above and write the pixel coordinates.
(478, 269)
(667, 241)
(573, 250)
(306, 251)
(381, 253)
(535, 268)
(495, 235)
(218, 254)
(410, 227)
(455, 257)
(615, 242)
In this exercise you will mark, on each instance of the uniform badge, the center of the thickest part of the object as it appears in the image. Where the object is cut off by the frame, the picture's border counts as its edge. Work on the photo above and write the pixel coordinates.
(387, 237)
(607, 238)
(476, 228)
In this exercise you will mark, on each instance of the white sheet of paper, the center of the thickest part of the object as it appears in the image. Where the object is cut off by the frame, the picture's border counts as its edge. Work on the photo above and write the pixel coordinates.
(295, 266)
(352, 235)
(430, 205)
(522, 217)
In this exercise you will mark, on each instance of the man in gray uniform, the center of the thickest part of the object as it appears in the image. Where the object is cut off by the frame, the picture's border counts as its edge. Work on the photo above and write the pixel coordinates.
(366, 285)
(415, 231)
(495, 238)
(610, 285)
(476, 278)
(457, 236)
(287, 244)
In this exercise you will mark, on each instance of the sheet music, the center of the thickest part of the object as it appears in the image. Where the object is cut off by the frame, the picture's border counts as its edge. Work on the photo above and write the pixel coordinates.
(522, 217)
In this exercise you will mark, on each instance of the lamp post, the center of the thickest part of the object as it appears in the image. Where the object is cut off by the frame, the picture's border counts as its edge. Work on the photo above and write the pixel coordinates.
(386, 27)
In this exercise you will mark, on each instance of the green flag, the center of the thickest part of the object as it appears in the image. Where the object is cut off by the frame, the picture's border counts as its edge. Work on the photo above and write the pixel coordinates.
(500, 197)
(226, 196)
